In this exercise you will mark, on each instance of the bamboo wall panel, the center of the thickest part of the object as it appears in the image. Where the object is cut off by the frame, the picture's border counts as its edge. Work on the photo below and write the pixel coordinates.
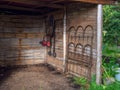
(20, 37)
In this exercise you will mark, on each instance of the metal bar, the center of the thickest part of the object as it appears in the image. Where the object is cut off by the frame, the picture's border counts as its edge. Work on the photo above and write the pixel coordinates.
(64, 39)
(99, 44)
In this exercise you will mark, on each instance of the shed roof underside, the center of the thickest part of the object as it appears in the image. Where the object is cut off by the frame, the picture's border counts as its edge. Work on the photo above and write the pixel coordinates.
(40, 7)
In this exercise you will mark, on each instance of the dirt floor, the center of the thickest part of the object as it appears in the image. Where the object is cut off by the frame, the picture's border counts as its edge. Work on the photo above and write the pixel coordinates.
(38, 77)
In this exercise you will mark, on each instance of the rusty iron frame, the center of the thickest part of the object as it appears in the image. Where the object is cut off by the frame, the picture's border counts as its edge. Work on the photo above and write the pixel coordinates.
(76, 40)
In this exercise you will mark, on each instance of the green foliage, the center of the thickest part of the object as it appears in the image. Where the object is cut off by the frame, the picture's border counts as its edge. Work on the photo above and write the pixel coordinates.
(111, 41)
(113, 86)
(93, 86)
(110, 51)
(109, 68)
(109, 62)
(111, 38)
(111, 24)
(80, 81)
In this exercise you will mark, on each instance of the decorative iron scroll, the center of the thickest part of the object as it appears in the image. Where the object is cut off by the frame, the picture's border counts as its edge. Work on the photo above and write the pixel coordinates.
(80, 47)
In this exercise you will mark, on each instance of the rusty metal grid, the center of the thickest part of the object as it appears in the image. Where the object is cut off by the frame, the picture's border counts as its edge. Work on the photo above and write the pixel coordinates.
(80, 50)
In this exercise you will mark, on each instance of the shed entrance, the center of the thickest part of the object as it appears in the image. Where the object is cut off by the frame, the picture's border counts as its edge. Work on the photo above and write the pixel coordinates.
(22, 27)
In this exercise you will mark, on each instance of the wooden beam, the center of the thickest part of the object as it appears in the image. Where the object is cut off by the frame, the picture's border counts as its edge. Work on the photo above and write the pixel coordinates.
(35, 3)
(51, 5)
(88, 1)
(54, 6)
(18, 8)
(57, 1)
(96, 1)
(42, 2)
(99, 44)
(31, 2)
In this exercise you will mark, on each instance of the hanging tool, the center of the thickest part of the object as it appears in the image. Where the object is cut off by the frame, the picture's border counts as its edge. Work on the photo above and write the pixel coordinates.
(49, 38)
(45, 41)
(54, 40)
(52, 36)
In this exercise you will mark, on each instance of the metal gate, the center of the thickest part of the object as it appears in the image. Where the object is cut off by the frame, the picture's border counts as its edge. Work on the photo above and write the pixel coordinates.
(80, 50)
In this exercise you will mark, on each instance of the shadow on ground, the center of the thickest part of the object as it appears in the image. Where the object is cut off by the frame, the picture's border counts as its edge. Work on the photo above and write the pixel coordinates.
(35, 77)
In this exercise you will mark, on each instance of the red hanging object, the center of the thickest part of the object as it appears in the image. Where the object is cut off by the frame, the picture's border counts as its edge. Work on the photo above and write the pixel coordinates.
(44, 42)
(48, 44)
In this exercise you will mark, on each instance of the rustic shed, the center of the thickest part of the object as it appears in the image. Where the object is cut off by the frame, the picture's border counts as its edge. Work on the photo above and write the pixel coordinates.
(63, 33)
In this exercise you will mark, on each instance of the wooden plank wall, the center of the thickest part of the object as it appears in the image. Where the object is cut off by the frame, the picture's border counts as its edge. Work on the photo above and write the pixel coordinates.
(79, 14)
(19, 39)
(58, 61)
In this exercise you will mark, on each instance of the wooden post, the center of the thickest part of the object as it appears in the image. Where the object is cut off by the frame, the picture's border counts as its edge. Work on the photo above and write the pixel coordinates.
(64, 40)
(99, 44)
